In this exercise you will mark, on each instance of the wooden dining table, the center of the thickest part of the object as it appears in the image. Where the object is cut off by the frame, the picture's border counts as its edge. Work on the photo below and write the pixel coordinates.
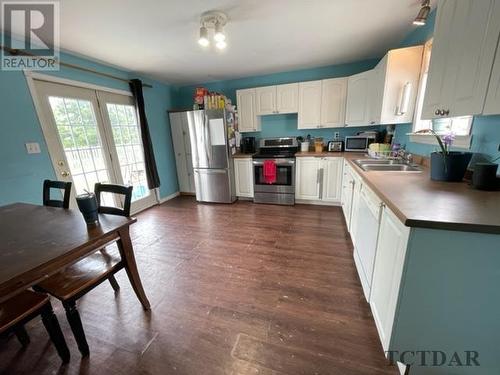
(37, 242)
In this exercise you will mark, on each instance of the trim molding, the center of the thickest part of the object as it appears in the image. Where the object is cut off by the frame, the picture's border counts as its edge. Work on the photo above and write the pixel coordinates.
(169, 197)
(50, 78)
(462, 141)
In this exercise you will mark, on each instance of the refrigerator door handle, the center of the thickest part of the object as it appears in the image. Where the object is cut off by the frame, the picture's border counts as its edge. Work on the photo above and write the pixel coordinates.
(207, 140)
(210, 171)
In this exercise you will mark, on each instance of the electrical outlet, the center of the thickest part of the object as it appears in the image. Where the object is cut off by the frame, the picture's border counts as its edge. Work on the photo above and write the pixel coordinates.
(33, 148)
(336, 135)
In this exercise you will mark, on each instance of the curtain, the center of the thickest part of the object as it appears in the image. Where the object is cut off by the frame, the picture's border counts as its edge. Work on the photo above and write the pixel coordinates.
(149, 157)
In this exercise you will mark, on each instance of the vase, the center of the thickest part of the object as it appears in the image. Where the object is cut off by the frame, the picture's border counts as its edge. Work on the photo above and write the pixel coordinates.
(87, 203)
(450, 167)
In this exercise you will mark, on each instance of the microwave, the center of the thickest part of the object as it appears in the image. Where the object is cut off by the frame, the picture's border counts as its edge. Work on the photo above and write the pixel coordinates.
(359, 143)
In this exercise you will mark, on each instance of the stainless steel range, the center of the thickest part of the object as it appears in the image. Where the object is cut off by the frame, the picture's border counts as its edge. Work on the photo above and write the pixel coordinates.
(282, 189)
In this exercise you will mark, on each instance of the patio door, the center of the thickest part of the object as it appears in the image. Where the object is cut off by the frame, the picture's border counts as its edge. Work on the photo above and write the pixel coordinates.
(94, 136)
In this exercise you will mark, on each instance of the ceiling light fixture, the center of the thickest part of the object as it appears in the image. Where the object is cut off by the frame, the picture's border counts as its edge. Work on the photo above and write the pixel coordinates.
(422, 15)
(219, 35)
(213, 20)
(203, 40)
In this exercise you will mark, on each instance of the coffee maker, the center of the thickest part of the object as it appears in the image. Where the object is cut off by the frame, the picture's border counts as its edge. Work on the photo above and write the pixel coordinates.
(248, 145)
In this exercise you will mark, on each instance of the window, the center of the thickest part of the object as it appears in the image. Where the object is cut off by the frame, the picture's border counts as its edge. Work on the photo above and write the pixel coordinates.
(460, 126)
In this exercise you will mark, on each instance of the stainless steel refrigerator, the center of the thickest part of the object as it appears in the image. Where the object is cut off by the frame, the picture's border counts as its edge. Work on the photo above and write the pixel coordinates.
(212, 139)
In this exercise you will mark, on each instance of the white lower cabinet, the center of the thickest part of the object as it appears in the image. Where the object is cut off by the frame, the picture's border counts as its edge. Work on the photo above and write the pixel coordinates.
(347, 193)
(319, 179)
(243, 177)
(307, 178)
(388, 270)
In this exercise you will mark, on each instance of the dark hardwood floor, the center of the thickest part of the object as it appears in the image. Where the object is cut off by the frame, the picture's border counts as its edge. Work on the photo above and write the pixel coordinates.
(235, 289)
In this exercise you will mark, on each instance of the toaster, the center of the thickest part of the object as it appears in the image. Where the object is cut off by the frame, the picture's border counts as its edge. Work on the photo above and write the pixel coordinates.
(335, 146)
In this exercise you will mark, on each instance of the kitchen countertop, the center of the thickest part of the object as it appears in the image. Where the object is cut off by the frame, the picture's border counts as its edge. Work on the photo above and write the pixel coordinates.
(420, 202)
(320, 154)
(240, 155)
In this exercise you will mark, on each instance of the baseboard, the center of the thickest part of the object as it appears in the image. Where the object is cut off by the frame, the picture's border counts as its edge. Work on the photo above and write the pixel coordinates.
(168, 197)
(317, 203)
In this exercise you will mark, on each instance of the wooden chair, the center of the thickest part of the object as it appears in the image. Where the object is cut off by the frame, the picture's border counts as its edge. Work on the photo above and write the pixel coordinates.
(20, 309)
(66, 186)
(80, 278)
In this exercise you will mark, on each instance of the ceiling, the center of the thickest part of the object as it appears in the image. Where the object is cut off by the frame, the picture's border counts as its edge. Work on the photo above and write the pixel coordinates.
(158, 38)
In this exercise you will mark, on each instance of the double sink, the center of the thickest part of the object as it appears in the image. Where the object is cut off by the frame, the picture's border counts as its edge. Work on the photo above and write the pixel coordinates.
(386, 165)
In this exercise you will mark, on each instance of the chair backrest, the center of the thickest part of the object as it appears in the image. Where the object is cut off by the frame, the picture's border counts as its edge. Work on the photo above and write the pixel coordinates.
(126, 191)
(61, 185)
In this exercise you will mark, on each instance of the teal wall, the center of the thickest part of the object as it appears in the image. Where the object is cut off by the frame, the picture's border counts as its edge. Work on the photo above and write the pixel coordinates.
(282, 125)
(485, 129)
(21, 175)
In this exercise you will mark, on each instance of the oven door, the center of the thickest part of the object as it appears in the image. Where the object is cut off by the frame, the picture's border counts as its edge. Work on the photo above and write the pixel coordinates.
(285, 177)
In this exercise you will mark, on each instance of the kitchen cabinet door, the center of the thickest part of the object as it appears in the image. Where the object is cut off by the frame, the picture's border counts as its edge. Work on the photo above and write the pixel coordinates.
(247, 118)
(331, 181)
(243, 175)
(266, 100)
(389, 262)
(492, 105)
(183, 162)
(309, 105)
(358, 99)
(357, 185)
(347, 193)
(465, 41)
(333, 102)
(307, 178)
(287, 98)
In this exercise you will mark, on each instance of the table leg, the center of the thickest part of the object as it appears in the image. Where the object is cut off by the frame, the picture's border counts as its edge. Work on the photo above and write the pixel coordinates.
(127, 254)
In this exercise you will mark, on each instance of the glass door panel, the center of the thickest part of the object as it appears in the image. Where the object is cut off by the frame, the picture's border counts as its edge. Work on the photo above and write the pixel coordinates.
(120, 117)
(77, 128)
(128, 144)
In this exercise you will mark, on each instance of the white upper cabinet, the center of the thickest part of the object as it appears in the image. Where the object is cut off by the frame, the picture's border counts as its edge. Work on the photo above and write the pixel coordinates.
(387, 93)
(277, 99)
(358, 103)
(331, 179)
(465, 40)
(492, 105)
(309, 105)
(248, 121)
(395, 86)
(287, 98)
(333, 102)
(266, 100)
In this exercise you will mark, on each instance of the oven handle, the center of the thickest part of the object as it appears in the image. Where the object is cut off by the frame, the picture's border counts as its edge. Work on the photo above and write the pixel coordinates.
(280, 162)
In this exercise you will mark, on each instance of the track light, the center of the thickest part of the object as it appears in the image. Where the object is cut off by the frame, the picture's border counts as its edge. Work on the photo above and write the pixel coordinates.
(422, 15)
(219, 35)
(203, 41)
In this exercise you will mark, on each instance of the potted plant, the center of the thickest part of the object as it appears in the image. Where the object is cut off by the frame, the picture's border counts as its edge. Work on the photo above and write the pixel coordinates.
(447, 165)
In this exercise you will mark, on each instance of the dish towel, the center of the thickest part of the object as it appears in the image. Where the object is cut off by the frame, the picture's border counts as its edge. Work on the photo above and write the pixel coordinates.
(269, 172)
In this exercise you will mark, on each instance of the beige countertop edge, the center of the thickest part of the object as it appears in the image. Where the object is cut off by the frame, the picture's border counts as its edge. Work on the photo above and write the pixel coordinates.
(418, 222)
